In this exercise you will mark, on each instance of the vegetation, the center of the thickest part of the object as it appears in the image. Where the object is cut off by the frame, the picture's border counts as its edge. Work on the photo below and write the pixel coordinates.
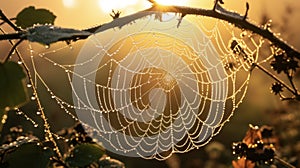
(261, 146)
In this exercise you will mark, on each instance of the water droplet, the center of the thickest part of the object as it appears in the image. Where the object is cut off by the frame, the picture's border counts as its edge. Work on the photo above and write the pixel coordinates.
(38, 113)
(33, 97)
(29, 85)
(47, 46)
(35, 125)
(7, 108)
(20, 62)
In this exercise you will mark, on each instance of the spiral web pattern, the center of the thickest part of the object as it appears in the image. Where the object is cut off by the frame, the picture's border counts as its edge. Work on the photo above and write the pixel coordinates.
(151, 89)
(157, 89)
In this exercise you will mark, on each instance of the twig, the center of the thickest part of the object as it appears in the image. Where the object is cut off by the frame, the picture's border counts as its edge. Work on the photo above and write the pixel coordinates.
(48, 135)
(11, 36)
(122, 21)
(234, 19)
(43, 116)
(115, 15)
(218, 13)
(12, 44)
(13, 49)
(217, 3)
(290, 77)
(275, 78)
(247, 9)
(284, 163)
(8, 21)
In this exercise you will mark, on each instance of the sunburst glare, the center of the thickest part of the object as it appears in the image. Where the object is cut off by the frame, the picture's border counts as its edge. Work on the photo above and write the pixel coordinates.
(107, 5)
(172, 2)
(69, 3)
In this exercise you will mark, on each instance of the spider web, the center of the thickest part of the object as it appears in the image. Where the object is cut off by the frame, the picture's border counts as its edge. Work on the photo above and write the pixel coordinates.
(151, 88)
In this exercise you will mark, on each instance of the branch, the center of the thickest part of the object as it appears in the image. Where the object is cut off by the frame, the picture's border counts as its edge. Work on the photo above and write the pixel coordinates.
(11, 43)
(218, 12)
(284, 163)
(12, 50)
(294, 92)
(5, 22)
(8, 21)
(122, 21)
(11, 36)
(233, 18)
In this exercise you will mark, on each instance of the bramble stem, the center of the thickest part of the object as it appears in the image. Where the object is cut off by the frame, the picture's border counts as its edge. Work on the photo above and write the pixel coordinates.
(284, 163)
(8, 21)
(43, 116)
(290, 77)
(13, 49)
(48, 135)
(233, 18)
(294, 92)
(218, 13)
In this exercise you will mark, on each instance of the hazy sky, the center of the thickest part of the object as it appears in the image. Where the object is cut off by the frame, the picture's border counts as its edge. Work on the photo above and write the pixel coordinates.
(83, 14)
(88, 13)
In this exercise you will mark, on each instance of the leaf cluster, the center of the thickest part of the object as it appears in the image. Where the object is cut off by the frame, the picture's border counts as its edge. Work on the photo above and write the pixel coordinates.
(20, 148)
(257, 147)
(282, 63)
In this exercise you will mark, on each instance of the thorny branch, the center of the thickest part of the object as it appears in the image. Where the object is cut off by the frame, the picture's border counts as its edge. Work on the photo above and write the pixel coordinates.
(292, 90)
(43, 115)
(8, 21)
(217, 12)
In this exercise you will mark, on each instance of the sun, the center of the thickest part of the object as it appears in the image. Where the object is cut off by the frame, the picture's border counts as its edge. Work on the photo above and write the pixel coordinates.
(108, 5)
(69, 3)
(172, 2)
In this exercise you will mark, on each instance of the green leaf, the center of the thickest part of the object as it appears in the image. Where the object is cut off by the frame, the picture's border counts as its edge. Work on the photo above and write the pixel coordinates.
(84, 155)
(29, 155)
(30, 16)
(13, 92)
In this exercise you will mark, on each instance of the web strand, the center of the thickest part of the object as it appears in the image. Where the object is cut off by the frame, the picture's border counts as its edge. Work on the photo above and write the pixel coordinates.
(151, 89)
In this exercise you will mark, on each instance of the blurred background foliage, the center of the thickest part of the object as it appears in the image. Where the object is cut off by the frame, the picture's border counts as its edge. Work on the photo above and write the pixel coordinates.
(260, 107)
